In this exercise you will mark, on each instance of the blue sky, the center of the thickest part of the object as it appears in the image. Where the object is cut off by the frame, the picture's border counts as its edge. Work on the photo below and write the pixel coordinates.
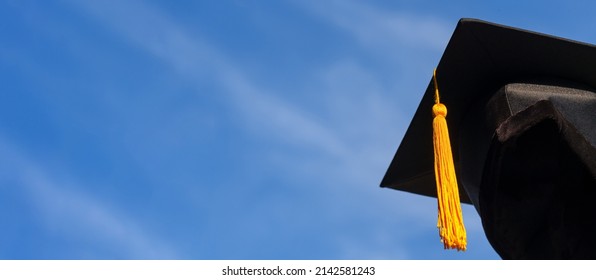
(226, 129)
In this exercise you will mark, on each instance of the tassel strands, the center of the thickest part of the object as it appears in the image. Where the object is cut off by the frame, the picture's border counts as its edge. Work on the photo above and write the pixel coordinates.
(450, 221)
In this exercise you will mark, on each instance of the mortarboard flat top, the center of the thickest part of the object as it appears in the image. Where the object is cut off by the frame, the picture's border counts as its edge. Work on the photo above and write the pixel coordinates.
(481, 58)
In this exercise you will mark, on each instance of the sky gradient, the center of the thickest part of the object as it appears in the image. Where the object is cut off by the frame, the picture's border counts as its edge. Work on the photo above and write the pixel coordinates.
(226, 129)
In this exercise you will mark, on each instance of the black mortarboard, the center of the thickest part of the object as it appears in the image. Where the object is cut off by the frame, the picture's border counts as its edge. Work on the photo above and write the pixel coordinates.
(522, 120)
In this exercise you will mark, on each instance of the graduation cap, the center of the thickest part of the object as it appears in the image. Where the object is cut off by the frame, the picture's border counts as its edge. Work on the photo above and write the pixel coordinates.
(522, 124)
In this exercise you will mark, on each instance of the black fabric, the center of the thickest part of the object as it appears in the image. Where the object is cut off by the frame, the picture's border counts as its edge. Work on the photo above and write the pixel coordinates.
(574, 103)
(537, 194)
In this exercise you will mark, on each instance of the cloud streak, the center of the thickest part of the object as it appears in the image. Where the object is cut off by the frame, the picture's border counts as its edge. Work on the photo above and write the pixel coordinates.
(64, 209)
(376, 28)
(193, 57)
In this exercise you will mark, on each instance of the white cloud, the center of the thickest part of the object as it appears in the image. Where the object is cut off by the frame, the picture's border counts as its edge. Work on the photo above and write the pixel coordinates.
(63, 208)
(194, 58)
(356, 112)
(376, 28)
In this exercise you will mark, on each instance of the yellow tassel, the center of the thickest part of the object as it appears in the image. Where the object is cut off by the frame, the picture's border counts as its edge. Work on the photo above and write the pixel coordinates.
(450, 221)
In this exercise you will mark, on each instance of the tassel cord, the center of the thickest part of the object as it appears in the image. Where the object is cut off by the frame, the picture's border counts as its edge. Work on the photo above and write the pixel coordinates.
(450, 220)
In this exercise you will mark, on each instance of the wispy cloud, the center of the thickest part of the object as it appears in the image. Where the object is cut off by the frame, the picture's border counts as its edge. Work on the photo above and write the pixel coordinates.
(63, 208)
(376, 28)
(193, 57)
(355, 112)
